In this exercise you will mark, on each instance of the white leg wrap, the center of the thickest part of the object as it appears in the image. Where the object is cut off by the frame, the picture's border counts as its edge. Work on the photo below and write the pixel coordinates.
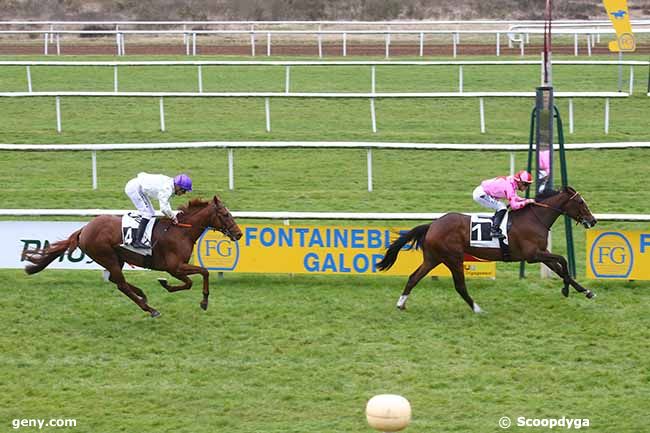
(401, 301)
(476, 308)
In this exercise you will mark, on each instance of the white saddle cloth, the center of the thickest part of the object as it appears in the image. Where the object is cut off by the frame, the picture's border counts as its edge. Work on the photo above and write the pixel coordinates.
(479, 231)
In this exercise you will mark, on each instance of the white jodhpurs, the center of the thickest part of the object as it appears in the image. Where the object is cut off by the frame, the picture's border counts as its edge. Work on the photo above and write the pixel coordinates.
(482, 198)
(139, 199)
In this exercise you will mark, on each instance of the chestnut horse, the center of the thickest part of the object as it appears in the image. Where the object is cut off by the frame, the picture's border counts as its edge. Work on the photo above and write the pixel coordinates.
(172, 244)
(446, 241)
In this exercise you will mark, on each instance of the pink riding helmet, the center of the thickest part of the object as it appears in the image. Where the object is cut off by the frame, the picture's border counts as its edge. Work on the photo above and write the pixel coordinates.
(523, 176)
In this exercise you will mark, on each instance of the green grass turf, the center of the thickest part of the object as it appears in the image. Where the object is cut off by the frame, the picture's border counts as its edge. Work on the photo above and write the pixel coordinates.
(303, 354)
(276, 353)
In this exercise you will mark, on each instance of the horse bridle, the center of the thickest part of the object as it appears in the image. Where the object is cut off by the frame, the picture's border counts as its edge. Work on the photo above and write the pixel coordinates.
(558, 210)
(221, 213)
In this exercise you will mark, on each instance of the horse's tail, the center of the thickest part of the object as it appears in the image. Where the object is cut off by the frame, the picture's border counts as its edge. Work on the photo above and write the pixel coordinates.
(40, 258)
(414, 236)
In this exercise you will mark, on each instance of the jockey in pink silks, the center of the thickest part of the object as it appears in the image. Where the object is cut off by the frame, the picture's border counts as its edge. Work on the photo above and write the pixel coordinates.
(544, 169)
(490, 191)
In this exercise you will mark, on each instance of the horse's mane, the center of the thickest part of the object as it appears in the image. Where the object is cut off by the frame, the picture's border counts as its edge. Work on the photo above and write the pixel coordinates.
(193, 206)
(547, 193)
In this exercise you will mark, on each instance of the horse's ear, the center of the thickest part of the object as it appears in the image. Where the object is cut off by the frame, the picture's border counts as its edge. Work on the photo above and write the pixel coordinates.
(216, 200)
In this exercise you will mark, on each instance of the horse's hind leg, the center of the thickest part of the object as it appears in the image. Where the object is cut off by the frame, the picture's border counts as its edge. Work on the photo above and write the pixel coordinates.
(116, 276)
(415, 278)
(455, 265)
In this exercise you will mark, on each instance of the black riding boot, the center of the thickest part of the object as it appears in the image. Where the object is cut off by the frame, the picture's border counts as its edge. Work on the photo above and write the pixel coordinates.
(496, 224)
(137, 240)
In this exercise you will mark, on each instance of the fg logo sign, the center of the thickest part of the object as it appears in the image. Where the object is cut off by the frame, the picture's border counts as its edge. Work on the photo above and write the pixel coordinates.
(611, 256)
(215, 251)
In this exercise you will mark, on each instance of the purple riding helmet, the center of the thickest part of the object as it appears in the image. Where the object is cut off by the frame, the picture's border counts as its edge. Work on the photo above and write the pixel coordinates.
(183, 181)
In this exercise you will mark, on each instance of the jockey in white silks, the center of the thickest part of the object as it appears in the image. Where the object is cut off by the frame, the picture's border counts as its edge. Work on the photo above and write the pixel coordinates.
(145, 187)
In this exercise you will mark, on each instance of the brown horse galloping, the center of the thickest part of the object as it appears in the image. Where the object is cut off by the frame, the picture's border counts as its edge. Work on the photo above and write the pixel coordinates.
(447, 239)
(100, 239)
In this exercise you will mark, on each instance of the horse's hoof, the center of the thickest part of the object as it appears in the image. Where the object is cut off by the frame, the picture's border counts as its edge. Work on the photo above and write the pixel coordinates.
(565, 292)
(155, 314)
(204, 306)
(163, 282)
(590, 294)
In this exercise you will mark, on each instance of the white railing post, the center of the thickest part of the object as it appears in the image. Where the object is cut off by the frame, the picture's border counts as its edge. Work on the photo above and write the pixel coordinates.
(29, 79)
(631, 80)
(373, 116)
(268, 44)
(482, 114)
(512, 163)
(187, 44)
(606, 115)
(115, 83)
(162, 115)
(345, 44)
(93, 157)
(369, 164)
(267, 110)
(123, 44)
(453, 38)
(118, 43)
(320, 46)
(589, 45)
(498, 44)
(45, 48)
(373, 79)
(421, 44)
(387, 38)
(287, 78)
(575, 44)
(58, 114)
(231, 170)
(252, 42)
(570, 115)
(194, 44)
(200, 79)
(58, 44)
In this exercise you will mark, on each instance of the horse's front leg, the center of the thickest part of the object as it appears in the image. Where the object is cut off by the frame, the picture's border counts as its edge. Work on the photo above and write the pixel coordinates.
(187, 269)
(559, 265)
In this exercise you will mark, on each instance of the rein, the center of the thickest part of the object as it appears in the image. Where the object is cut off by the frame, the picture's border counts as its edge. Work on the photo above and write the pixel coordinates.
(558, 210)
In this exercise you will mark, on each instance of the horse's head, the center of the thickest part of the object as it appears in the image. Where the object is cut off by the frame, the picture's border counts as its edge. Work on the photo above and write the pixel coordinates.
(221, 219)
(573, 205)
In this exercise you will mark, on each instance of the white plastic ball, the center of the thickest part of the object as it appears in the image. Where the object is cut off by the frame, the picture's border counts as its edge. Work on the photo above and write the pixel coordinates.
(388, 412)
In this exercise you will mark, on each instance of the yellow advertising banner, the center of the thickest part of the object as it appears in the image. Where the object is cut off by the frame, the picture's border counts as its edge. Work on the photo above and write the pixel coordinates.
(620, 18)
(315, 250)
(618, 254)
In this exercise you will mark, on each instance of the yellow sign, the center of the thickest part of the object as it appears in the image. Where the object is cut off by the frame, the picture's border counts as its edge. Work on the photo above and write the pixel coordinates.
(315, 250)
(618, 254)
(620, 17)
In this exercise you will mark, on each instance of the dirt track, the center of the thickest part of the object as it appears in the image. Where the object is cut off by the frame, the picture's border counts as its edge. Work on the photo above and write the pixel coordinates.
(329, 50)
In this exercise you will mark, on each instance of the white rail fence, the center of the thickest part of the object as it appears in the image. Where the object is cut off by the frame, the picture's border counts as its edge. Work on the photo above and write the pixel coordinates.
(190, 37)
(373, 64)
(371, 96)
(288, 215)
(230, 146)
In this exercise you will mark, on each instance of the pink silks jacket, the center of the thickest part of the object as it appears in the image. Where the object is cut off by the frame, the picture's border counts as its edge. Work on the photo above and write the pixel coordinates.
(505, 187)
